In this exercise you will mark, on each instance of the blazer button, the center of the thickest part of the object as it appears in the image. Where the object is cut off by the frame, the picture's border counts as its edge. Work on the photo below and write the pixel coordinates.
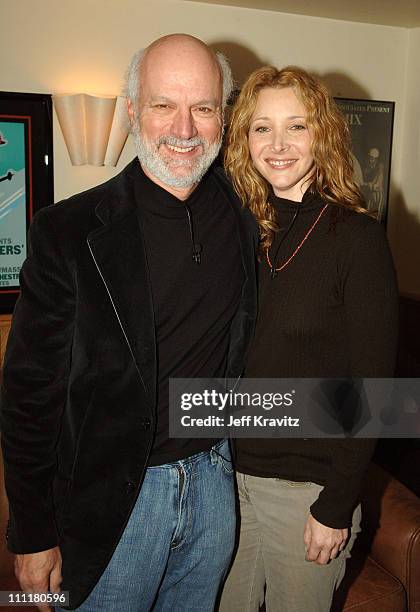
(146, 423)
(130, 486)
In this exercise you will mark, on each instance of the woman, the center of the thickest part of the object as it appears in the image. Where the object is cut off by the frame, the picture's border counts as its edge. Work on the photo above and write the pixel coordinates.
(327, 309)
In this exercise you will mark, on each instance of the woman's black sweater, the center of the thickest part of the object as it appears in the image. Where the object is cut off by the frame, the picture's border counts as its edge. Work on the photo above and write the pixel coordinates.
(332, 312)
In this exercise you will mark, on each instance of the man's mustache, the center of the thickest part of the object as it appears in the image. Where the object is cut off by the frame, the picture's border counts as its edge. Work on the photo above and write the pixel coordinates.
(182, 142)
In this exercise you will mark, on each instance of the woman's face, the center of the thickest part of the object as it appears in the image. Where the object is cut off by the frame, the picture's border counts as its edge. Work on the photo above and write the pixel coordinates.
(280, 142)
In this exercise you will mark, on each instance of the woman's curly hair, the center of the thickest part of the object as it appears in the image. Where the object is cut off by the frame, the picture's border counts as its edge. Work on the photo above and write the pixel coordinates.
(333, 166)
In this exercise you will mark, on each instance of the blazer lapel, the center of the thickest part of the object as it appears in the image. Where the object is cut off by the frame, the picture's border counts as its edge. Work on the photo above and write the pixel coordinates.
(118, 251)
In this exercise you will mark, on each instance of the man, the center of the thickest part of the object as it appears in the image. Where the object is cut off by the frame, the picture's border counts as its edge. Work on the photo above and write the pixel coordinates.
(373, 183)
(147, 277)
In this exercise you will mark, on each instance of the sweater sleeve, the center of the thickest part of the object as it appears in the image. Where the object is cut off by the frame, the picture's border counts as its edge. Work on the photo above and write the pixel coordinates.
(34, 388)
(371, 304)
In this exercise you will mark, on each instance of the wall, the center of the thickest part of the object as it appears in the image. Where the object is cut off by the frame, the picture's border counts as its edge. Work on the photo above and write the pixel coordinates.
(408, 226)
(84, 46)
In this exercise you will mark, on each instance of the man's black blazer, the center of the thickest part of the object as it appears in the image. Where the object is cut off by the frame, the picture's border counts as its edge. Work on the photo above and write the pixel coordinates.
(79, 387)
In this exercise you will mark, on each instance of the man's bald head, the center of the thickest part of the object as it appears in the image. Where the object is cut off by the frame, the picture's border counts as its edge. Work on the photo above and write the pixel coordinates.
(172, 44)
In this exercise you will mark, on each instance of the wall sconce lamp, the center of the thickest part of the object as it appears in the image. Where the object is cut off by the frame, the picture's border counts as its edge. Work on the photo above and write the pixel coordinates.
(94, 128)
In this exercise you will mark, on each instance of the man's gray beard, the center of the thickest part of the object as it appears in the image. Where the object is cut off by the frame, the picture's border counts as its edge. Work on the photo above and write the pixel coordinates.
(151, 160)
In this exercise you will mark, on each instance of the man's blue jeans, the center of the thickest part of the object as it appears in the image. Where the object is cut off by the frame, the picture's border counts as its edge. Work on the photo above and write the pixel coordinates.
(177, 545)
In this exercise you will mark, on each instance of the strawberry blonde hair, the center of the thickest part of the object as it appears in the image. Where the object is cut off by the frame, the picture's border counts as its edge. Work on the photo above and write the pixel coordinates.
(332, 176)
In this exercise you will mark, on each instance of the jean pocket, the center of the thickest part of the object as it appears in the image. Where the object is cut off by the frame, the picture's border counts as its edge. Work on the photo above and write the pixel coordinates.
(224, 459)
(227, 466)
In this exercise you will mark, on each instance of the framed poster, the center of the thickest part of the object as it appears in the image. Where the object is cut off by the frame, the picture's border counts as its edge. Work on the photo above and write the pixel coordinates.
(26, 180)
(371, 124)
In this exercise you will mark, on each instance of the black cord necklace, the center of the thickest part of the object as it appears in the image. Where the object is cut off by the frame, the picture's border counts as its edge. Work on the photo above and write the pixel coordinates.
(273, 271)
(272, 266)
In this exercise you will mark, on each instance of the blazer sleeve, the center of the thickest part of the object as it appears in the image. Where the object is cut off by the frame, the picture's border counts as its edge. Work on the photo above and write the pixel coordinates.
(371, 302)
(33, 395)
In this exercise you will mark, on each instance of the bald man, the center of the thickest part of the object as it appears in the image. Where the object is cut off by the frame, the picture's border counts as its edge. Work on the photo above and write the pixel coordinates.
(147, 277)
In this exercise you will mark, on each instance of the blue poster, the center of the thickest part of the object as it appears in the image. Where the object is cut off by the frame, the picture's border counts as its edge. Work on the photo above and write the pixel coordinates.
(12, 202)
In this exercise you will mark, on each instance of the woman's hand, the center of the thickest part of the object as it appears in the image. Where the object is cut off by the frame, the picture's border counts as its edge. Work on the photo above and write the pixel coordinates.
(323, 543)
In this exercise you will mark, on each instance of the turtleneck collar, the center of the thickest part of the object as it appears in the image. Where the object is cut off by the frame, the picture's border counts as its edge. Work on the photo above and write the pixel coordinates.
(310, 202)
(158, 201)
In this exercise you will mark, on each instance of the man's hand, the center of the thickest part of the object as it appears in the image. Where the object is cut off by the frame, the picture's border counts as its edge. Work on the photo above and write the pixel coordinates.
(323, 543)
(39, 572)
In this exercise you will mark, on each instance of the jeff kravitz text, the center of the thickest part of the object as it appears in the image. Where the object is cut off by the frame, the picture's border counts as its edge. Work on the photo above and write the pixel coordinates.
(243, 421)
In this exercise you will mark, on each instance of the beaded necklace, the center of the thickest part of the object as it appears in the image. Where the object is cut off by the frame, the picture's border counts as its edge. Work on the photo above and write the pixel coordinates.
(296, 251)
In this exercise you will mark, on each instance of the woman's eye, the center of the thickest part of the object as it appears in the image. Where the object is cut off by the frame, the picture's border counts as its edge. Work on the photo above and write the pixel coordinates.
(298, 126)
(261, 129)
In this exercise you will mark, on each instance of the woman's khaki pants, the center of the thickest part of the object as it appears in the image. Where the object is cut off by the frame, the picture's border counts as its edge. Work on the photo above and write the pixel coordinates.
(270, 561)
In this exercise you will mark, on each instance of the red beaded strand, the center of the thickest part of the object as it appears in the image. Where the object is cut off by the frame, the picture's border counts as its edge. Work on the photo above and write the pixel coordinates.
(308, 233)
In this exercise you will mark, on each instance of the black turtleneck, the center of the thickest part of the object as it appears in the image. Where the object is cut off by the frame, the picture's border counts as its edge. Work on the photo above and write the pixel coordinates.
(331, 312)
(193, 303)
